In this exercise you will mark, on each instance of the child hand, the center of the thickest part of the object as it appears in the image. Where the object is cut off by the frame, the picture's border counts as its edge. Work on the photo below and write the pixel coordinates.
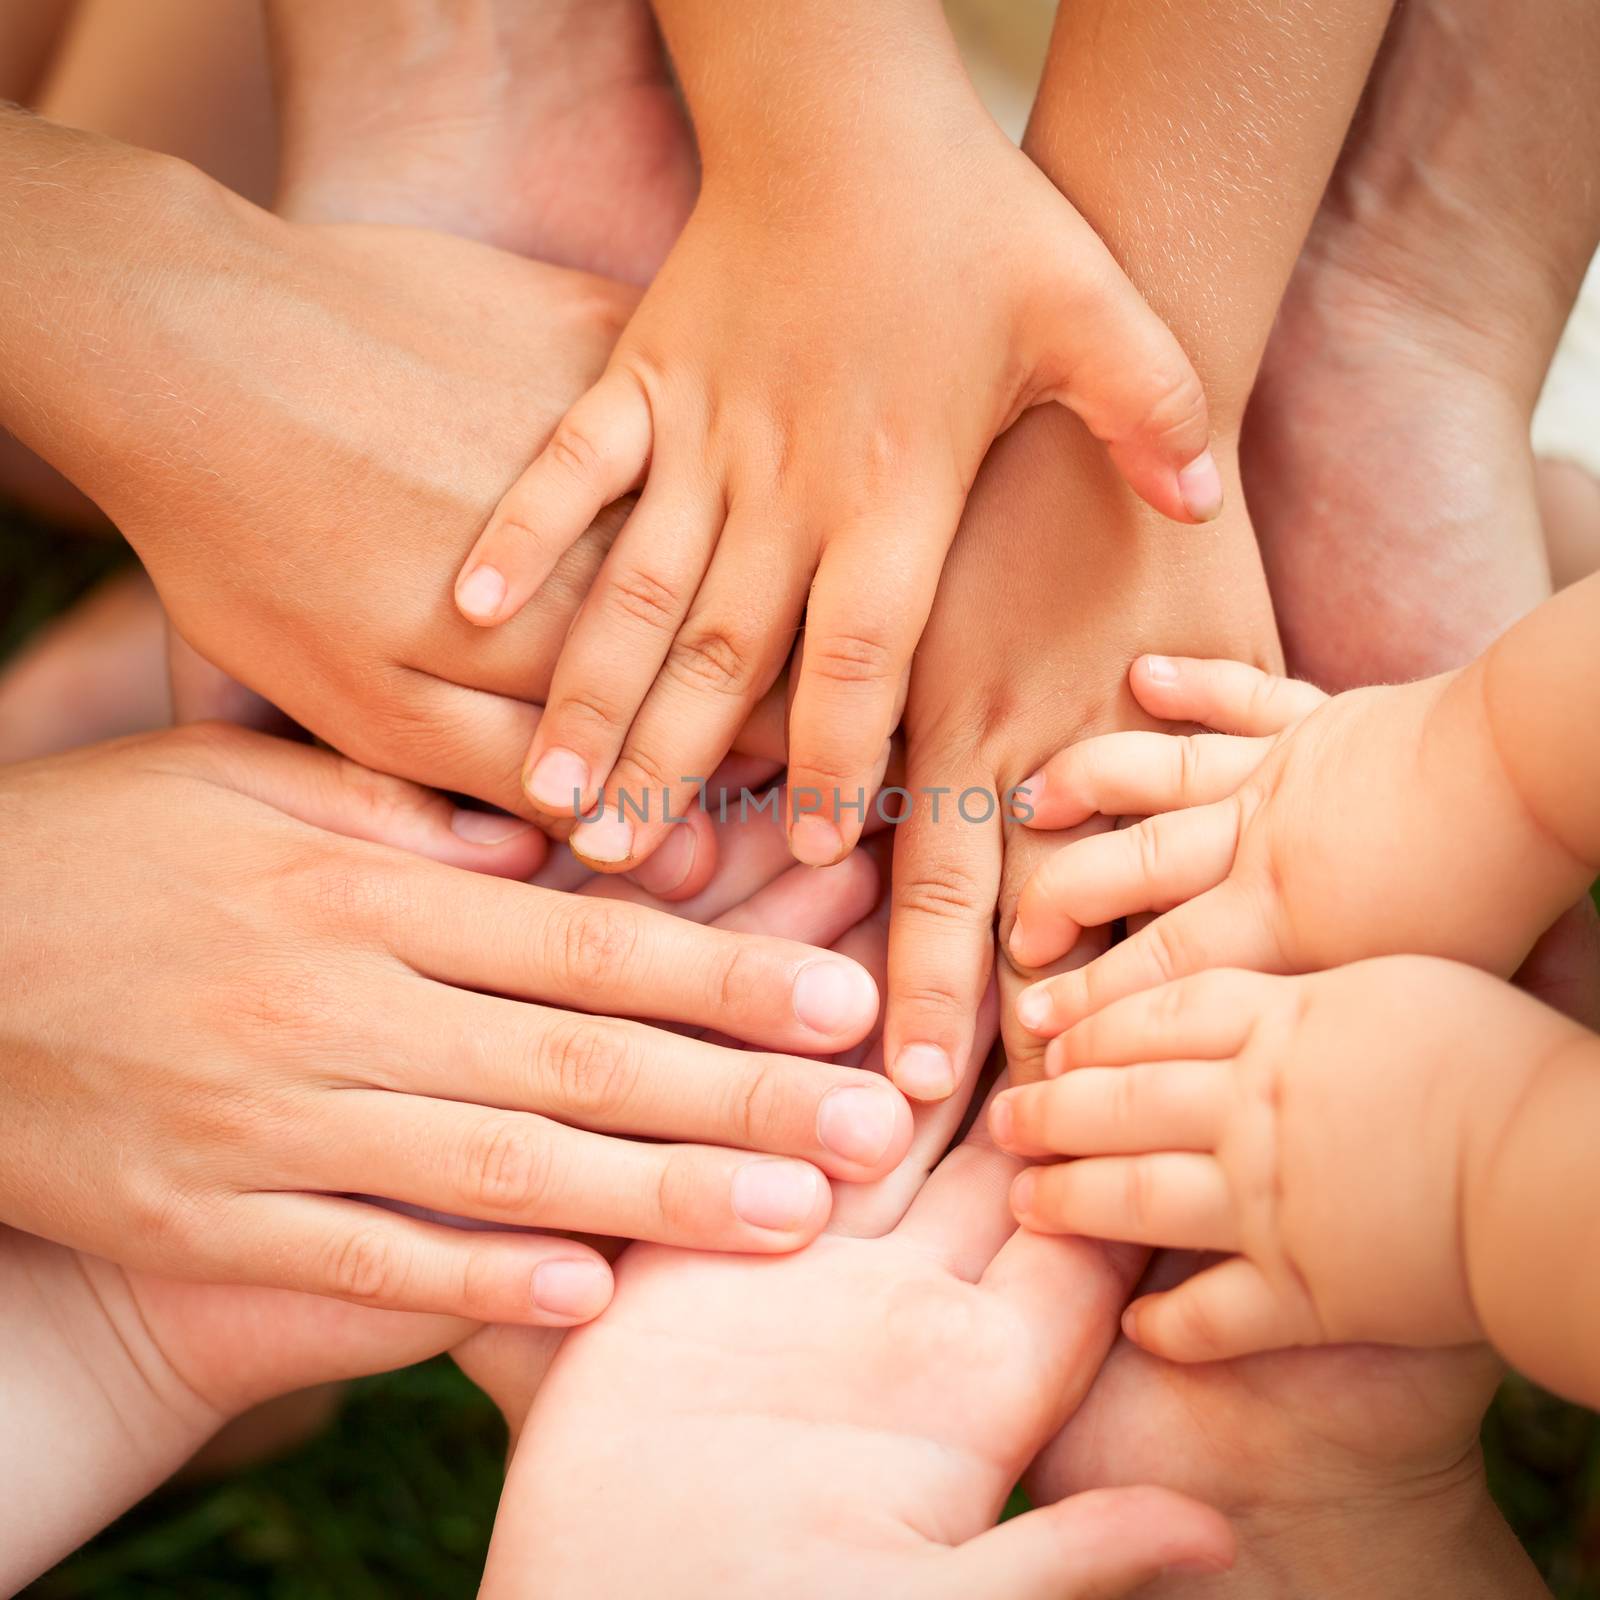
(846, 1422)
(1329, 1133)
(806, 392)
(1312, 832)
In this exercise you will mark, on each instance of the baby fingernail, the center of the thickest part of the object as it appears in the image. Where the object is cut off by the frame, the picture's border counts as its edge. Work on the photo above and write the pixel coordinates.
(1200, 487)
(1033, 1008)
(608, 839)
(923, 1071)
(835, 996)
(486, 827)
(815, 842)
(1017, 941)
(1001, 1121)
(1022, 1194)
(577, 1289)
(670, 865)
(1161, 669)
(481, 593)
(559, 781)
(857, 1123)
(780, 1195)
(1025, 797)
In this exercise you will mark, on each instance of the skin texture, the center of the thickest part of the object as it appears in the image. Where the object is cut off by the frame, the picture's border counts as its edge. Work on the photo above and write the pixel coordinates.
(805, 445)
(337, 1005)
(1444, 817)
(1371, 1147)
(851, 1426)
(1058, 577)
(1386, 450)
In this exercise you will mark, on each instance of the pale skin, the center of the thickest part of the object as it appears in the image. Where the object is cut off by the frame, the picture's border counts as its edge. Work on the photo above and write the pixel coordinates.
(1374, 1148)
(1053, 547)
(848, 1427)
(338, 1016)
(1449, 817)
(806, 392)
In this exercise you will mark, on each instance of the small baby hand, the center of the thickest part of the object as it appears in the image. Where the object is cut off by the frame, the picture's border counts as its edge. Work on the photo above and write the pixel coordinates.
(1312, 832)
(806, 393)
(1329, 1133)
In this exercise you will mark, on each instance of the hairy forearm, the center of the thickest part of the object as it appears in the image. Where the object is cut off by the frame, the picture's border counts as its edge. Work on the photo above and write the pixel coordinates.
(1531, 1220)
(1197, 139)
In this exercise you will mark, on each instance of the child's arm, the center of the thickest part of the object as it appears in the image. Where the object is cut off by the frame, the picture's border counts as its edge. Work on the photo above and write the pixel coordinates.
(1454, 817)
(1398, 1151)
(873, 285)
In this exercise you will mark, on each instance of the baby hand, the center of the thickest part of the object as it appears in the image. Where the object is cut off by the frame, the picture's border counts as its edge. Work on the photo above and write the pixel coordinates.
(806, 393)
(1313, 832)
(1328, 1132)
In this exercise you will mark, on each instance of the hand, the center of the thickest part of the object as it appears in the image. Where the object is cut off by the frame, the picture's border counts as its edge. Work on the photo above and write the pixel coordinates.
(848, 1421)
(1333, 1134)
(325, 1021)
(1350, 1470)
(1379, 822)
(807, 391)
(1057, 580)
(115, 1378)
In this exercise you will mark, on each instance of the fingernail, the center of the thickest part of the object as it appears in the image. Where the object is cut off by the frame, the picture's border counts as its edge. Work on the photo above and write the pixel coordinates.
(559, 781)
(481, 593)
(1033, 1008)
(835, 996)
(578, 1289)
(671, 864)
(815, 842)
(486, 827)
(1055, 1056)
(780, 1195)
(1161, 669)
(607, 839)
(857, 1123)
(1022, 1195)
(1001, 1120)
(1016, 940)
(1200, 487)
(1026, 797)
(923, 1071)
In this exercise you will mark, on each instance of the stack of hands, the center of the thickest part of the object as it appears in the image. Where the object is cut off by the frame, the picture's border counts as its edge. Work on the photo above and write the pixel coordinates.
(319, 1061)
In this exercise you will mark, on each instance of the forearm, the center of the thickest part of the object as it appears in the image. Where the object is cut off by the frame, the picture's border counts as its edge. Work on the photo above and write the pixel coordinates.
(93, 1419)
(790, 90)
(1197, 140)
(1531, 1219)
(1542, 699)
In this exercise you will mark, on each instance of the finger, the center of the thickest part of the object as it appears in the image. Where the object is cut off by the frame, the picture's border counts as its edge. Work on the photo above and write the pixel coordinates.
(1135, 775)
(1154, 865)
(1219, 928)
(868, 606)
(1114, 362)
(1106, 1111)
(598, 452)
(1205, 1017)
(728, 653)
(815, 905)
(1181, 1201)
(617, 643)
(941, 932)
(607, 956)
(202, 692)
(329, 792)
(1093, 1546)
(1231, 1309)
(614, 1075)
(323, 1244)
(517, 1169)
(1227, 695)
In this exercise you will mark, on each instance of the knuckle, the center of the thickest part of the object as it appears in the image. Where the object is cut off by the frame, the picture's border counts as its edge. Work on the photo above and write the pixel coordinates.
(590, 1065)
(364, 1265)
(680, 1187)
(505, 1168)
(1149, 851)
(713, 657)
(743, 980)
(1188, 747)
(593, 938)
(1174, 403)
(590, 711)
(851, 658)
(755, 1103)
(1138, 1203)
(645, 599)
(946, 893)
(575, 453)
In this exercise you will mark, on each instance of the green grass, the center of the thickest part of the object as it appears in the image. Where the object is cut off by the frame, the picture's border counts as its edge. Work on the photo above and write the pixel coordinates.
(395, 1501)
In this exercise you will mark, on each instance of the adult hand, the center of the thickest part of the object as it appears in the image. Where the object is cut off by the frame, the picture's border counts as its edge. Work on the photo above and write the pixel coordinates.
(262, 1012)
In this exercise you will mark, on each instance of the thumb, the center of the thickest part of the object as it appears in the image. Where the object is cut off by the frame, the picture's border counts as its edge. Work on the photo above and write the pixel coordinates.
(1092, 1546)
(341, 796)
(1114, 362)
